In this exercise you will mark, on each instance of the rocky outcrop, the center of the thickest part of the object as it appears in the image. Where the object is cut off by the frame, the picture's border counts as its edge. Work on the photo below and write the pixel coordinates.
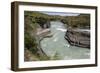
(46, 25)
(40, 35)
(78, 38)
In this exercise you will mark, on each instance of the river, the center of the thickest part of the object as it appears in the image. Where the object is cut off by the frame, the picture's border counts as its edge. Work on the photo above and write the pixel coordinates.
(58, 44)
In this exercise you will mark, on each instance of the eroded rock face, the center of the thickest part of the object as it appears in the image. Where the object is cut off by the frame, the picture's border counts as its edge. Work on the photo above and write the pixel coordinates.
(78, 37)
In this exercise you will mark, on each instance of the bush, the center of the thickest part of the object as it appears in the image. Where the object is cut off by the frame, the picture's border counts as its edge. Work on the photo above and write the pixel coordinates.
(30, 43)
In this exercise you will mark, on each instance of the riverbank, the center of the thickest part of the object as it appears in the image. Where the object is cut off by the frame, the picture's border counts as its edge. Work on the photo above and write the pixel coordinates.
(79, 38)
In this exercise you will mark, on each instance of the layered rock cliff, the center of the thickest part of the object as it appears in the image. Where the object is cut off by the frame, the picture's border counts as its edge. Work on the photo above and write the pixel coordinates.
(78, 38)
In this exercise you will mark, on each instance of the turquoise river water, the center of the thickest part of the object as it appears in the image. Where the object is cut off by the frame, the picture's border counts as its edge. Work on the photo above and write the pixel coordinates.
(58, 44)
